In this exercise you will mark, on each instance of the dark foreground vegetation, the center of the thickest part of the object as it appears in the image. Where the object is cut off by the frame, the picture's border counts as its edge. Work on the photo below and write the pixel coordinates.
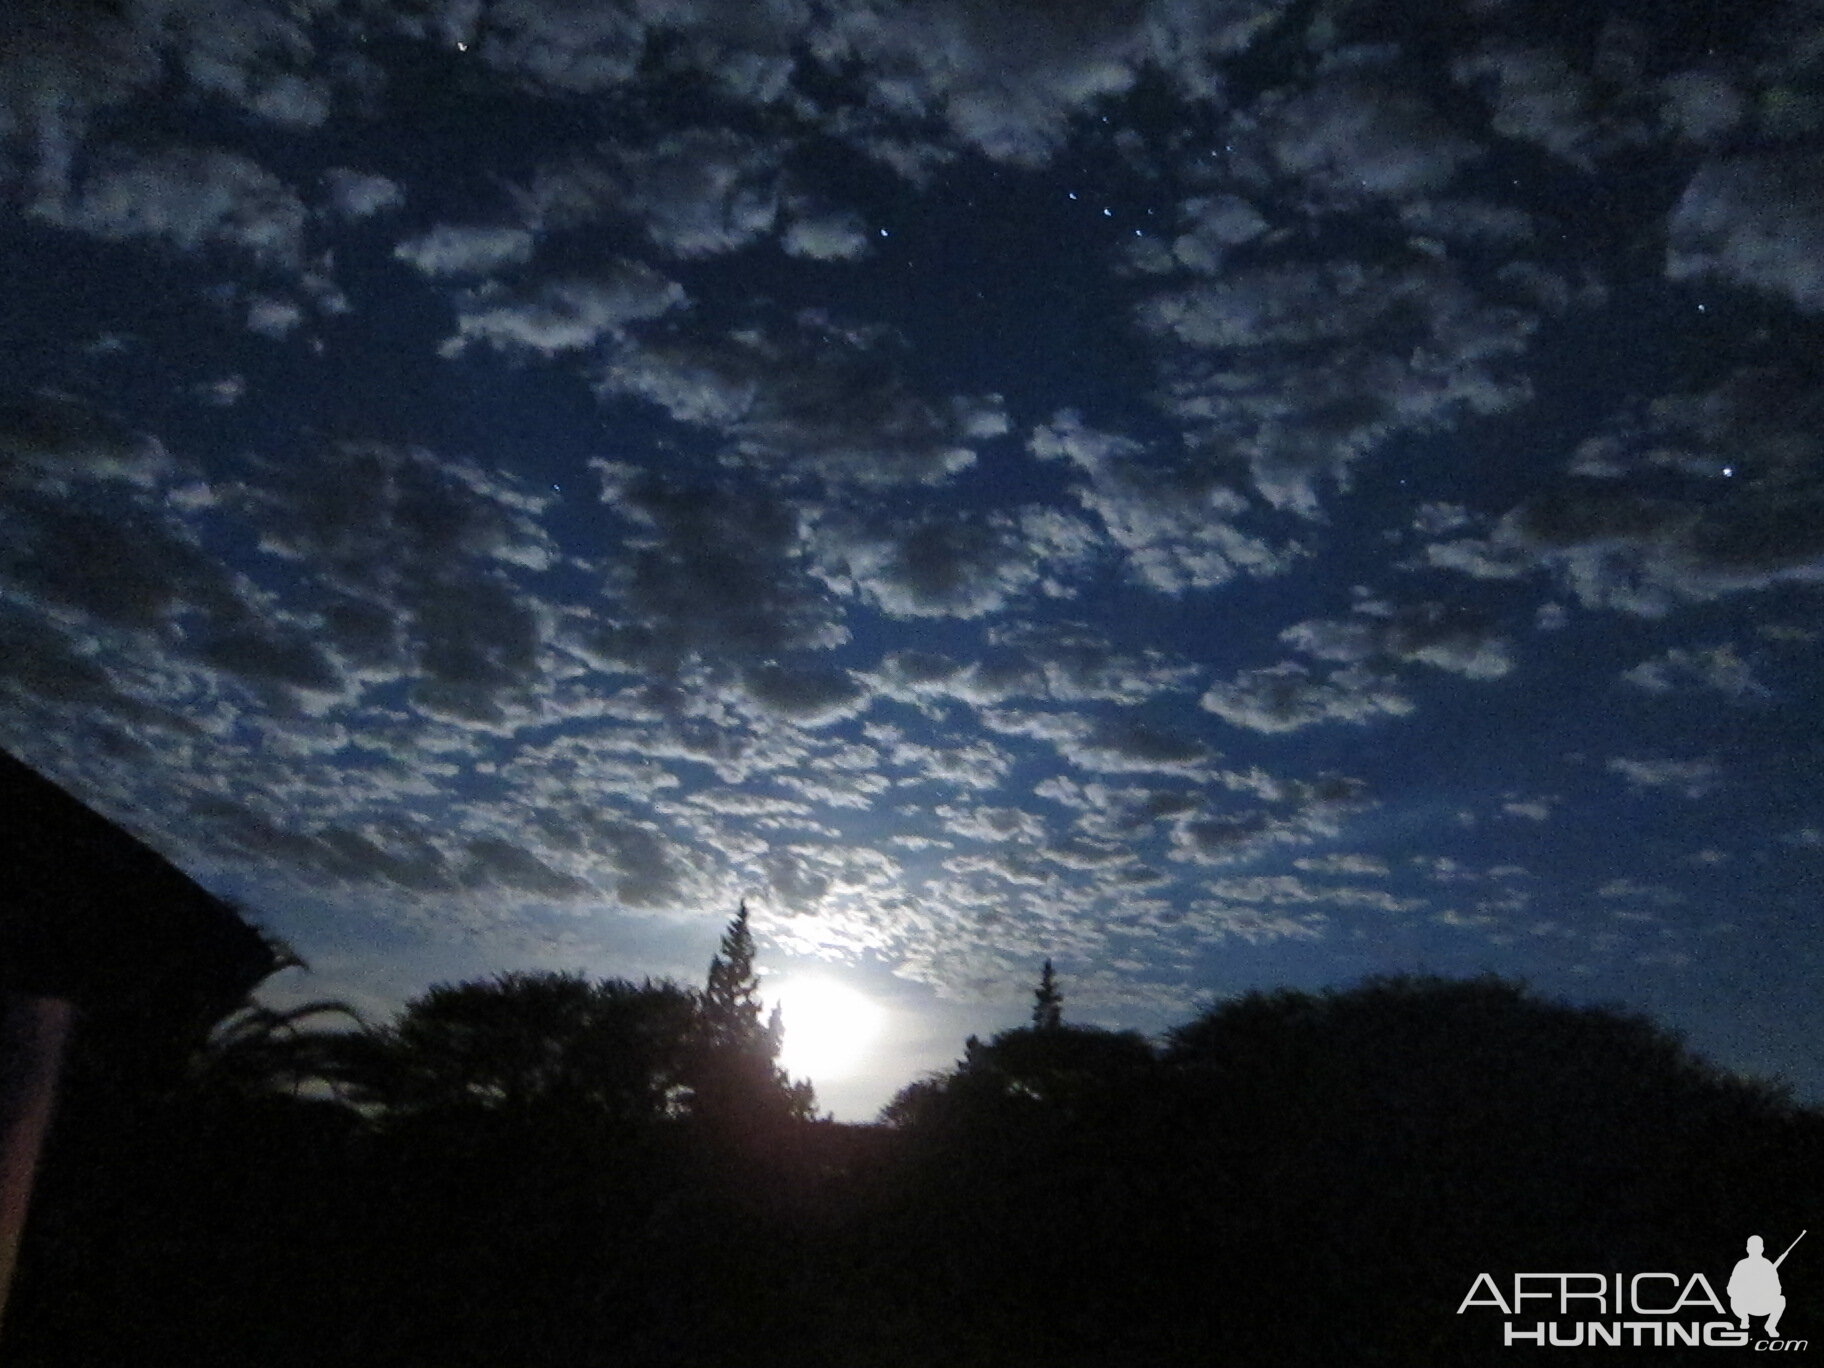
(540, 1170)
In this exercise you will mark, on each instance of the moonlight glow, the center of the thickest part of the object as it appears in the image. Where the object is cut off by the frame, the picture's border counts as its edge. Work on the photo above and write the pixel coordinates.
(828, 1028)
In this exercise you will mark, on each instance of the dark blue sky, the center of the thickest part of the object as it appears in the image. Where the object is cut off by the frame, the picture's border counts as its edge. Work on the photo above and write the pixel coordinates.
(1218, 494)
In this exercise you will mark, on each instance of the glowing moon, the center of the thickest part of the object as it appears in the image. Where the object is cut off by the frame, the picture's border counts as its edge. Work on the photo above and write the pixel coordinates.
(828, 1027)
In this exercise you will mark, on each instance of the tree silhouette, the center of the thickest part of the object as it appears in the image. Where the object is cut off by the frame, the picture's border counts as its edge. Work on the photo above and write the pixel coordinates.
(731, 999)
(1048, 1001)
(736, 1079)
(532, 1043)
(1058, 1071)
(257, 1050)
(563, 1171)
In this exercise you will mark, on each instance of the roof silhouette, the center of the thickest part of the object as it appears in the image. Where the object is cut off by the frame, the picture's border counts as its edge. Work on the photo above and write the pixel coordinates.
(93, 914)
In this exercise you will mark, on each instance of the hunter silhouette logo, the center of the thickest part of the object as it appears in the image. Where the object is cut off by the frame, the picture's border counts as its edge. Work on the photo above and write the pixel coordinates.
(1641, 1310)
(1754, 1286)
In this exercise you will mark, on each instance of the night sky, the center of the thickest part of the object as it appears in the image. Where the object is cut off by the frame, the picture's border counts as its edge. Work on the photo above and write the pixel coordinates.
(1220, 494)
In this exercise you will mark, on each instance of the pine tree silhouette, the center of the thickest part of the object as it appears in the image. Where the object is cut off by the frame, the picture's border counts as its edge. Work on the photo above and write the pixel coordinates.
(731, 999)
(1048, 1001)
(738, 1071)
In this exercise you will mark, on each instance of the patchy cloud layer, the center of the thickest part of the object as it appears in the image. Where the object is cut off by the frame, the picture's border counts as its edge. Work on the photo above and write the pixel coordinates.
(1153, 484)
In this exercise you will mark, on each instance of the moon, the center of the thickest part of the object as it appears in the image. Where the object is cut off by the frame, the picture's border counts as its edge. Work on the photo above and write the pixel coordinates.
(828, 1027)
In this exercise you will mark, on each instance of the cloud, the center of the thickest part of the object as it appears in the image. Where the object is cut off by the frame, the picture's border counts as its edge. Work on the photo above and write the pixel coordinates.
(1307, 812)
(1215, 920)
(495, 863)
(570, 49)
(43, 665)
(477, 862)
(362, 513)
(64, 64)
(261, 58)
(1535, 95)
(1071, 662)
(1110, 745)
(646, 868)
(190, 198)
(466, 249)
(849, 891)
(97, 542)
(136, 569)
(273, 318)
(1692, 778)
(270, 652)
(696, 193)
(818, 398)
(61, 64)
(48, 440)
(1702, 105)
(1633, 890)
(477, 643)
(1123, 746)
(824, 234)
(709, 572)
(653, 710)
(994, 825)
(806, 697)
(1288, 697)
(555, 316)
(1618, 549)
(1717, 669)
(1371, 866)
(963, 566)
(1006, 81)
(1686, 497)
(1469, 222)
(1174, 515)
(414, 560)
(1426, 633)
(1300, 370)
(224, 392)
(1209, 226)
(1753, 221)
(1532, 809)
(972, 765)
(1354, 136)
(1118, 813)
(361, 194)
(1233, 837)
(391, 851)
